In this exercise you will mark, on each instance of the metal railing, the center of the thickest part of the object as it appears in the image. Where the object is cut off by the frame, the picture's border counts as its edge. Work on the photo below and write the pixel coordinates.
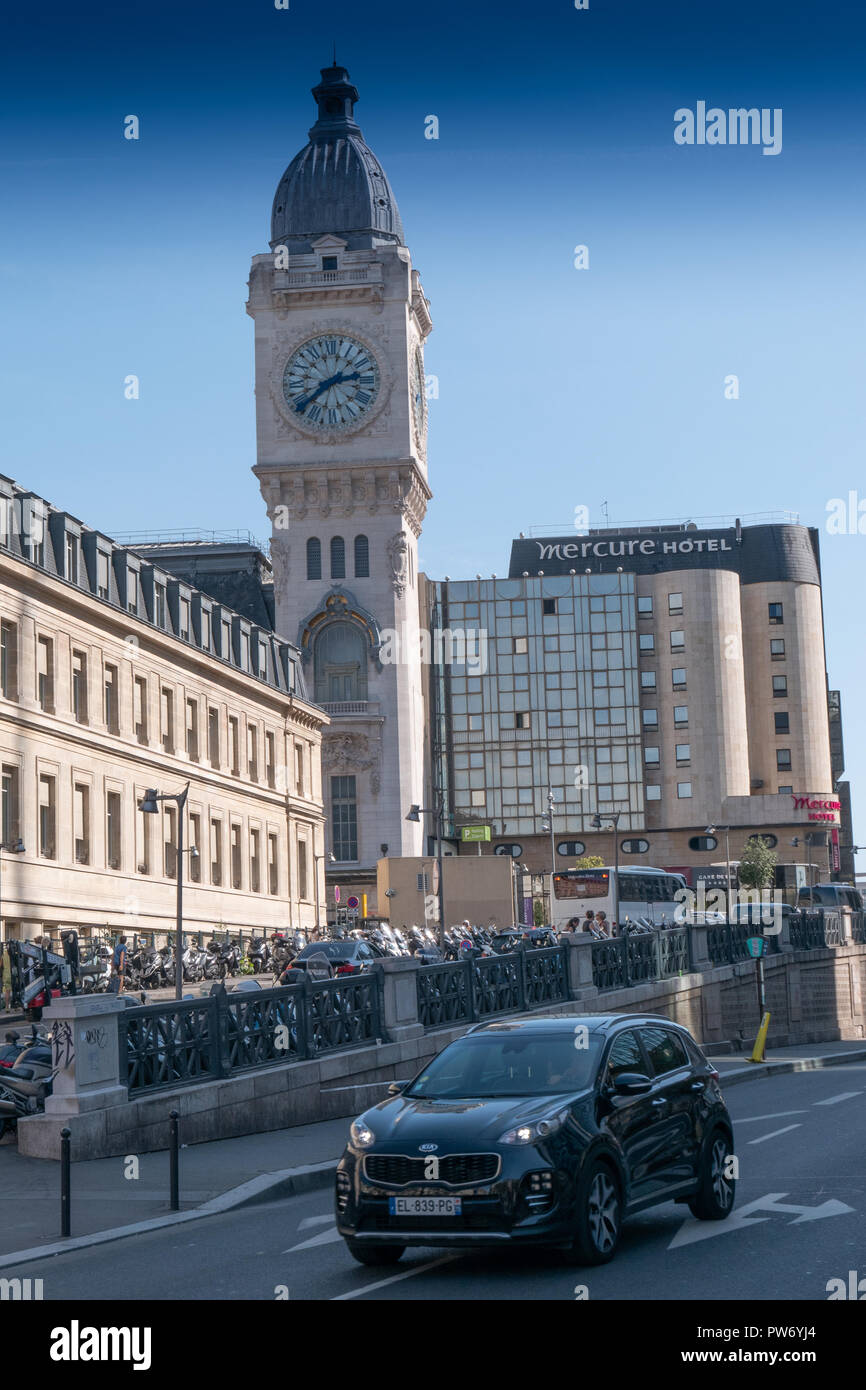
(812, 930)
(180, 1043)
(465, 991)
(636, 958)
(726, 942)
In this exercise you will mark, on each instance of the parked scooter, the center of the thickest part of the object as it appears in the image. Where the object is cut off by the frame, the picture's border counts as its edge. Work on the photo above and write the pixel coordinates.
(24, 1086)
(259, 955)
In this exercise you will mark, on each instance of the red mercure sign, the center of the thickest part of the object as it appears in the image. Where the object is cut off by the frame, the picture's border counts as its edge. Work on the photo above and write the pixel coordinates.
(818, 807)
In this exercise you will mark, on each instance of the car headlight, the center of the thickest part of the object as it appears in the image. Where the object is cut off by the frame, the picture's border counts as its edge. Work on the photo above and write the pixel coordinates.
(531, 1133)
(361, 1134)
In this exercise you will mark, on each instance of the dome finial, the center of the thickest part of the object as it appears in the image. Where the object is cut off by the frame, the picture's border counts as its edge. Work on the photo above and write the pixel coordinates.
(335, 97)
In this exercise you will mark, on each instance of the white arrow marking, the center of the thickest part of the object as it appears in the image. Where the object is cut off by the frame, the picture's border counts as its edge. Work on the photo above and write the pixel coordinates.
(779, 1115)
(744, 1217)
(395, 1278)
(324, 1238)
(315, 1221)
(775, 1134)
(834, 1100)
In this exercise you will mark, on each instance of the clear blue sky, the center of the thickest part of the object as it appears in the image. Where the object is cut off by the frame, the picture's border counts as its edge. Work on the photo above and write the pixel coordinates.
(558, 387)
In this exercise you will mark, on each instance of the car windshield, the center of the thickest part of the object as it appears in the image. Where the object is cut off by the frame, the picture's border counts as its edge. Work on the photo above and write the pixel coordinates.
(482, 1066)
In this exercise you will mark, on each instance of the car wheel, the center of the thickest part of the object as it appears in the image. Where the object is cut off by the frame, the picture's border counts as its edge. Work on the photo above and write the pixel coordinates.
(714, 1198)
(374, 1254)
(599, 1215)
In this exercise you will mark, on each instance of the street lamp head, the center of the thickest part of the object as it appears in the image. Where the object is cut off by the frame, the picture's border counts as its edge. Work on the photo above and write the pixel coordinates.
(710, 830)
(148, 802)
(596, 822)
(414, 813)
(193, 852)
(332, 858)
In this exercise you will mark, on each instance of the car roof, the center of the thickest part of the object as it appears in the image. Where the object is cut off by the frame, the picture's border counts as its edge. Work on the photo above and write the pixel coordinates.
(566, 1023)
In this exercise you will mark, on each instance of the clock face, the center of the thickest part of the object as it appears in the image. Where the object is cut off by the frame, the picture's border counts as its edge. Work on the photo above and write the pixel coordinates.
(331, 382)
(419, 400)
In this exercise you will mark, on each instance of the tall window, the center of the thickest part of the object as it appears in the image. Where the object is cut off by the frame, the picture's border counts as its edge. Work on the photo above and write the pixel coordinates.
(192, 730)
(79, 686)
(111, 700)
(102, 574)
(143, 821)
(159, 605)
(112, 830)
(338, 557)
(213, 736)
(132, 590)
(9, 830)
(72, 559)
(362, 557)
(235, 836)
(9, 660)
(340, 664)
(81, 822)
(253, 752)
(344, 818)
(45, 674)
(234, 747)
(270, 759)
(183, 619)
(167, 719)
(255, 862)
(314, 558)
(299, 769)
(216, 851)
(169, 837)
(303, 886)
(273, 865)
(139, 696)
(195, 843)
(47, 816)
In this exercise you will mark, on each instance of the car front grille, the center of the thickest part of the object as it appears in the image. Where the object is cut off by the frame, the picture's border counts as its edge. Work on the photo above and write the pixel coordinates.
(458, 1170)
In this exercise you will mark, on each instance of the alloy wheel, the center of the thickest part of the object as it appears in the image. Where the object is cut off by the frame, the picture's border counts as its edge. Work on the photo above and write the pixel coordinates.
(603, 1212)
(722, 1189)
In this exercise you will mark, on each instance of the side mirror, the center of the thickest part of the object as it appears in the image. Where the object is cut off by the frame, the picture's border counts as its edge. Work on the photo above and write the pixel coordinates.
(396, 1088)
(632, 1083)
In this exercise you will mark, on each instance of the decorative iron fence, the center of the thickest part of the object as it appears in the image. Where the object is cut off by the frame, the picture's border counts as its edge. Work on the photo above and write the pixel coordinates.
(179, 1043)
(858, 927)
(633, 959)
(467, 990)
(726, 942)
(811, 930)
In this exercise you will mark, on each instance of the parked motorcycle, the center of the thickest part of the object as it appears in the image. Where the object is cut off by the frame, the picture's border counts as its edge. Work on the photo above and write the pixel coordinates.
(25, 1086)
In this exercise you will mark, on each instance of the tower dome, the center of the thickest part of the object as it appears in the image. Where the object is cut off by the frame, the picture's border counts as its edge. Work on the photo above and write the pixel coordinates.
(335, 184)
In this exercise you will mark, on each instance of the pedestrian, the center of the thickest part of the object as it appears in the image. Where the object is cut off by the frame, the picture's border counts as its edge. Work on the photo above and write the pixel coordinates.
(602, 924)
(7, 978)
(118, 965)
(589, 920)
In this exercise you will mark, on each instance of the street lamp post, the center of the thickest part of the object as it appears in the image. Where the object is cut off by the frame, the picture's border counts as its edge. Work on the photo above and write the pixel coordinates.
(712, 830)
(317, 859)
(414, 814)
(613, 818)
(149, 804)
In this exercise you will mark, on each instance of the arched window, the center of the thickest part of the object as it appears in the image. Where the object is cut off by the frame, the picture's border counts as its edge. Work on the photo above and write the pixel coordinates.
(314, 558)
(338, 557)
(362, 557)
(340, 664)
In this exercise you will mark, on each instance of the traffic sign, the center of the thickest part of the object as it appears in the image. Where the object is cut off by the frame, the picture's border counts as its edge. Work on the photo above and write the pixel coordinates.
(471, 834)
(353, 902)
(757, 946)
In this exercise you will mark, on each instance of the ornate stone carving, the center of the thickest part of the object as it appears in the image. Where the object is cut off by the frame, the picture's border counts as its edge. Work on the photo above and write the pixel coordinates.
(397, 551)
(350, 753)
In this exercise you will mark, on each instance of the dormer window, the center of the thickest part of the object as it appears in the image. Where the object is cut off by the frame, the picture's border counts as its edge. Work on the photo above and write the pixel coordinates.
(329, 263)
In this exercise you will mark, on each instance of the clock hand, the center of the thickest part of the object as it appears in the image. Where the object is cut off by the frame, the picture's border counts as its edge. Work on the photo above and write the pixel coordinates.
(323, 386)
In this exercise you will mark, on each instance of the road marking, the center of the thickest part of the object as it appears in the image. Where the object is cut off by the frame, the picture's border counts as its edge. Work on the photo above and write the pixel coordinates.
(324, 1238)
(775, 1134)
(395, 1278)
(833, 1100)
(743, 1218)
(779, 1115)
(315, 1221)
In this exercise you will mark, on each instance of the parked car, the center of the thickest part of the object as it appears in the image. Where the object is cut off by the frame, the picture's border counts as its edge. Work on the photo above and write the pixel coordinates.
(542, 1131)
(347, 957)
(833, 895)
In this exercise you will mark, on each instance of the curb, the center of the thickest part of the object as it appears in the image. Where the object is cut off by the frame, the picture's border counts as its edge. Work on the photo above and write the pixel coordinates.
(770, 1068)
(283, 1183)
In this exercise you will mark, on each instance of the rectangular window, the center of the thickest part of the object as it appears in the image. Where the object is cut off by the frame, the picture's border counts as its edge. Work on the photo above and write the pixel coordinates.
(72, 559)
(213, 736)
(651, 755)
(777, 649)
(235, 840)
(10, 815)
(650, 718)
(143, 821)
(194, 844)
(139, 699)
(192, 730)
(775, 613)
(9, 660)
(781, 721)
(111, 700)
(112, 830)
(783, 759)
(271, 759)
(684, 790)
(47, 816)
(79, 686)
(303, 886)
(647, 642)
(169, 836)
(255, 862)
(234, 747)
(102, 574)
(167, 719)
(675, 603)
(653, 793)
(648, 680)
(183, 619)
(45, 674)
(521, 719)
(81, 822)
(681, 715)
(344, 818)
(548, 607)
(273, 866)
(678, 678)
(226, 647)
(678, 641)
(780, 686)
(244, 651)
(299, 769)
(252, 753)
(786, 791)
(159, 605)
(645, 606)
(263, 661)
(520, 645)
(205, 629)
(216, 851)
(684, 752)
(132, 591)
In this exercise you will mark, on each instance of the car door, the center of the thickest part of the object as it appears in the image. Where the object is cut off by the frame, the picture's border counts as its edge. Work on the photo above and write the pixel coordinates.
(630, 1120)
(676, 1098)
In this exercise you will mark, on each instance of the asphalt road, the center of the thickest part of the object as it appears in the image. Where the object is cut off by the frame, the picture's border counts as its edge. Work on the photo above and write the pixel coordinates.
(799, 1221)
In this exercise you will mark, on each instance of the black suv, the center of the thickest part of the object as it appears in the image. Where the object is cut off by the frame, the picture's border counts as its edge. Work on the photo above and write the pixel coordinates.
(542, 1131)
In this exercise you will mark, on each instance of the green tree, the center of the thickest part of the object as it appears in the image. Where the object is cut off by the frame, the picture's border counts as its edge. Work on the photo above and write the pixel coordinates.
(757, 864)
(538, 913)
(589, 861)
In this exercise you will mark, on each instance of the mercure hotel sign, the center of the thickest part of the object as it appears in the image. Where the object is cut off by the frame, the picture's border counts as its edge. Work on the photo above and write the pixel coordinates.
(613, 549)
(632, 550)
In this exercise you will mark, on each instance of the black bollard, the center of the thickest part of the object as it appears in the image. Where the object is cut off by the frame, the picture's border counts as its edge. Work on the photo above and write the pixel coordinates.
(65, 1167)
(173, 1156)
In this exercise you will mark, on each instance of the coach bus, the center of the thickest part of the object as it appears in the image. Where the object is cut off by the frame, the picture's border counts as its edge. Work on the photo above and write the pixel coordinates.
(643, 893)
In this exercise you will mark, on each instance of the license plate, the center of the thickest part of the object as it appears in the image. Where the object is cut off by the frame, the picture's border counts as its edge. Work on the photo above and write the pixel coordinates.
(424, 1206)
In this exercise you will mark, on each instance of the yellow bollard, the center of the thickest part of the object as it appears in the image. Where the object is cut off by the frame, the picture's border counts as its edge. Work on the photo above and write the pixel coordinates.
(363, 904)
(760, 1040)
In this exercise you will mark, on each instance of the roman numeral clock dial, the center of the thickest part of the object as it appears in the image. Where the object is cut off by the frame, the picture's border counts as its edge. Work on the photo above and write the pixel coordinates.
(331, 382)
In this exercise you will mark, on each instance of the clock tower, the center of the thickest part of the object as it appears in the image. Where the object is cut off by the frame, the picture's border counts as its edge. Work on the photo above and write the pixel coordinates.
(340, 325)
